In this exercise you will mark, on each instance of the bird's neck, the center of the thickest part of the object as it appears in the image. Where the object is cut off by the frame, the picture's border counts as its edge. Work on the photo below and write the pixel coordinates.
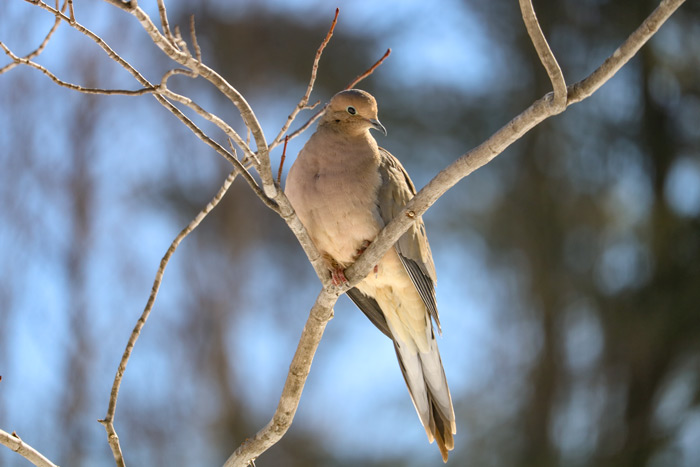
(331, 131)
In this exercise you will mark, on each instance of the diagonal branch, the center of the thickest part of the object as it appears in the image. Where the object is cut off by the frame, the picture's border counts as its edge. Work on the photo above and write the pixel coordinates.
(499, 141)
(545, 53)
(352, 84)
(75, 87)
(321, 313)
(587, 86)
(304, 102)
(185, 59)
(368, 71)
(218, 121)
(108, 420)
(35, 53)
(15, 443)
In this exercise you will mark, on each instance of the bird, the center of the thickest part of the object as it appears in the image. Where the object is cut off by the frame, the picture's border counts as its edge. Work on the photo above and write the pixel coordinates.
(345, 189)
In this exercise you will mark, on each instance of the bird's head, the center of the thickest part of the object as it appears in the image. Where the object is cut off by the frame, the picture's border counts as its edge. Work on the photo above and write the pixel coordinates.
(353, 112)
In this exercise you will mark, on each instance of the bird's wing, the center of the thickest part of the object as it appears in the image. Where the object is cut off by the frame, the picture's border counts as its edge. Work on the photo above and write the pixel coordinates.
(371, 309)
(395, 191)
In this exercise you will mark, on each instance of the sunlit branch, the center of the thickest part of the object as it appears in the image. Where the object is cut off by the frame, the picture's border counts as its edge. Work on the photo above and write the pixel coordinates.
(499, 141)
(35, 53)
(544, 52)
(75, 87)
(15, 443)
(352, 84)
(304, 102)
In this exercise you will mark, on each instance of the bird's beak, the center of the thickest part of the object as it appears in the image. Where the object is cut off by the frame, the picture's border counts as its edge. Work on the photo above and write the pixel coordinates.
(377, 126)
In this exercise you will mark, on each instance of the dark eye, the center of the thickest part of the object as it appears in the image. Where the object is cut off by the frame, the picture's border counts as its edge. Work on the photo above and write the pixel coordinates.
(351, 110)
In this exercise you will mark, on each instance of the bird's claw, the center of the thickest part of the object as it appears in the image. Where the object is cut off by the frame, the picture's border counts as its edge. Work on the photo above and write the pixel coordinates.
(338, 277)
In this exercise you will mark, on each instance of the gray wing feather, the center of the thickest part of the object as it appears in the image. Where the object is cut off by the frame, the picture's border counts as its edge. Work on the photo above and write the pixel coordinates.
(370, 308)
(413, 248)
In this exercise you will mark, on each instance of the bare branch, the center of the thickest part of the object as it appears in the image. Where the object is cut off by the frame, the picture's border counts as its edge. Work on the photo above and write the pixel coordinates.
(545, 53)
(164, 21)
(97, 39)
(15, 443)
(284, 155)
(320, 314)
(195, 44)
(369, 70)
(499, 141)
(303, 103)
(41, 46)
(108, 420)
(75, 87)
(71, 12)
(353, 83)
(584, 88)
(184, 58)
(219, 122)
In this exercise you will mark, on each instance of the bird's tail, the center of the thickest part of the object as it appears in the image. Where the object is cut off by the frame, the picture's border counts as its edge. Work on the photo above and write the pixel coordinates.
(427, 385)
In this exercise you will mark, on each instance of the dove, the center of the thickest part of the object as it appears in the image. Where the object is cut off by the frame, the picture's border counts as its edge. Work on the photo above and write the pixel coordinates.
(345, 189)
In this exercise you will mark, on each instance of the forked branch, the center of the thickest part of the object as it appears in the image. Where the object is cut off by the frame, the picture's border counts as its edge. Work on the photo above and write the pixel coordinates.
(546, 56)
(504, 137)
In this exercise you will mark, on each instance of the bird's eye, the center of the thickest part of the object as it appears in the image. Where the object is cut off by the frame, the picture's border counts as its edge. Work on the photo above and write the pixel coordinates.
(351, 110)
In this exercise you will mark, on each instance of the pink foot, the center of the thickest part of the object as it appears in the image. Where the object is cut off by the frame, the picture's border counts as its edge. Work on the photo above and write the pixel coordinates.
(338, 277)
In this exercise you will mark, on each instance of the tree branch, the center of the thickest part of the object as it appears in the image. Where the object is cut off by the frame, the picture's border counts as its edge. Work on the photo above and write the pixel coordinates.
(108, 421)
(584, 88)
(499, 141)
(75, 87)
(42, 46)
(15, 443)
(368, 71)
(303, 103)
(320, 314)
(545, 53)
(352, 84)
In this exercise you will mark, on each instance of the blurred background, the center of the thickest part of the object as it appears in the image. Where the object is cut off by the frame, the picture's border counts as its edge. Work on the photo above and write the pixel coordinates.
(569, 268)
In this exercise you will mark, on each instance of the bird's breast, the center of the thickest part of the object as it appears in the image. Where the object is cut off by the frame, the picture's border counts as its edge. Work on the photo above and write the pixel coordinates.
(337, 205)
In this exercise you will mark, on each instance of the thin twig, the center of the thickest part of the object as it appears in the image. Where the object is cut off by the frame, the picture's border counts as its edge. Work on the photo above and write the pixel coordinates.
(544, 52)
(180, 42)
(75, 87)
(71, 12)
(15, 443)
(107, 421)
(216, 120)
(163, 13)
(369, 70)
(303, 103)
(587, 86)
(353, 83)
(34, 53)
(195, 44)
(284, 156)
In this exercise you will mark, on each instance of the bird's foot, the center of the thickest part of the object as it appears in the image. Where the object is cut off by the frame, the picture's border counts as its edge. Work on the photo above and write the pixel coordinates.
(338, 276)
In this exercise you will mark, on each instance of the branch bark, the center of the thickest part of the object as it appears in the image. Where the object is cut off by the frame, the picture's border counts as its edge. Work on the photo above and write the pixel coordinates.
(108, 421)
(15, 443)
(540, 110)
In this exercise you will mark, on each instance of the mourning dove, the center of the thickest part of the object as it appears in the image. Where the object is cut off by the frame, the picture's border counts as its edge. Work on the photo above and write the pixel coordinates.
(345, 188)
